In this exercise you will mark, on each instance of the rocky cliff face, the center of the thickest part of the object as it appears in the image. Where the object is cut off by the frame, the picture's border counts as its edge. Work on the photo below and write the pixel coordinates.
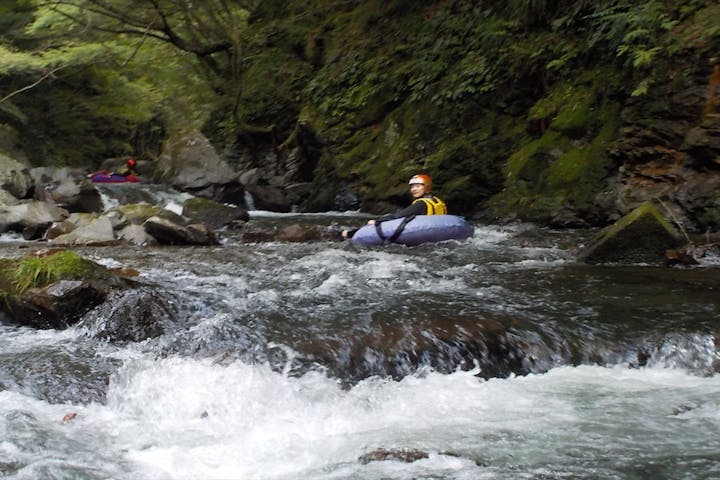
(561, 116)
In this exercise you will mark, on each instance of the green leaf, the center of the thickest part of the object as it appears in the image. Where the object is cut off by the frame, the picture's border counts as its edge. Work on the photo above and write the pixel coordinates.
(641, 89)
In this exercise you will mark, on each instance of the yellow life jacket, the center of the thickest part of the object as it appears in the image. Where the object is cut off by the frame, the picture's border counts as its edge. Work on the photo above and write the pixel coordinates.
(434, 205)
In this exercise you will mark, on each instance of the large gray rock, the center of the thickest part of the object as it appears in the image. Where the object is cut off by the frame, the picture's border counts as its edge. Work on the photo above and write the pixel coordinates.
(63, 288)
(192, 164)
(173, 229)
(213, 214)
(98, 232)
(30, 215)
(135, 235)
(15, 177)
(6, 198)
(642, 236)
(66, 188)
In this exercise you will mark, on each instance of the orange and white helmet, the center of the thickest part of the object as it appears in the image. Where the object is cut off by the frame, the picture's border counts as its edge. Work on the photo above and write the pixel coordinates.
(423, 180)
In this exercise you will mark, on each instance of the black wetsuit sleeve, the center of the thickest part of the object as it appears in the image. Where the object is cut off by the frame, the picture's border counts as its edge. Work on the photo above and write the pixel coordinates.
(418, 208)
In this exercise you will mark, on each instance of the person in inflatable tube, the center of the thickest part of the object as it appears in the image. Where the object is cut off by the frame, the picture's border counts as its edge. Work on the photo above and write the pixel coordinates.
(424, 203)
(130, 168)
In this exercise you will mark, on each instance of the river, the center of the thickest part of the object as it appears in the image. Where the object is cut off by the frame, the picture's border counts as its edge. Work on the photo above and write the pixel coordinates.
(498, 357)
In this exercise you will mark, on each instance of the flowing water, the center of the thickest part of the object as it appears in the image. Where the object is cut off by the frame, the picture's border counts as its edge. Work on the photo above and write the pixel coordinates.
(494, 358)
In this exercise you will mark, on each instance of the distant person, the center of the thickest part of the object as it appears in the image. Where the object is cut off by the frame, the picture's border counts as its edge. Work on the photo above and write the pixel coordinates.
(424, 203)
(130, 168)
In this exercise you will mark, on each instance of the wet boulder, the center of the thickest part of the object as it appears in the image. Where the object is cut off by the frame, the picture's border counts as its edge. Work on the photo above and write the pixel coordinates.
(146, 224)
(407, 455)
(191, 164)
(58, 305)
(67, 189)
(293, 233)
(132, 315)
(15, 177)
(135, 235)
(30, 214)
(97, 232)
(642, 236)
(53, 288)
(172, 229)
(213, 214)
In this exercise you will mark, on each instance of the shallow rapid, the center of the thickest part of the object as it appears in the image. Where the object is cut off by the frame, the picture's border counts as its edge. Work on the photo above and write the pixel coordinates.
(497, 357)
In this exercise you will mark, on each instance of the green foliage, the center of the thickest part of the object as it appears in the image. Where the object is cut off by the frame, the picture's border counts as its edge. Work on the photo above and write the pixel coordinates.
(633, 30)
(31, 272)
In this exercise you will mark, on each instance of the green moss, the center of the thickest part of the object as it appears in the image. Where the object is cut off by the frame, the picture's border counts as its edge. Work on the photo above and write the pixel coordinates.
(568, 109)
(646, 209)
(33, 271)
(136, 213)
(580, 170)
(7, 267)
(556, 172)
(529, 162)
(643, 235)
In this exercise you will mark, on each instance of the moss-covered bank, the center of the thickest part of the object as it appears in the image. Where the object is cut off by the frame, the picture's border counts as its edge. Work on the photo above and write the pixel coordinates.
(514, 108)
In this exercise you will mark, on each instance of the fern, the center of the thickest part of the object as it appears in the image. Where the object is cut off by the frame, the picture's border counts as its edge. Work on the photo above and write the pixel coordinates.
(633, 30)
(643, 57)
(642, 88)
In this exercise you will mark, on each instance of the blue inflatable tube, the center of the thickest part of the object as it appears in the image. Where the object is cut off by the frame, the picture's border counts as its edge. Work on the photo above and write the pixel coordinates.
(417, 230)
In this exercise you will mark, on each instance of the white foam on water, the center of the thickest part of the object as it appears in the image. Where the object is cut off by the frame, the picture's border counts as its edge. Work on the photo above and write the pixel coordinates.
(187, 419)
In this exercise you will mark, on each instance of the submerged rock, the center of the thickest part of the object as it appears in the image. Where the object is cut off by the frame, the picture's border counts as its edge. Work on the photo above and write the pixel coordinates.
(399, 454)
(132, 316)
(293, 233)
(642, 236)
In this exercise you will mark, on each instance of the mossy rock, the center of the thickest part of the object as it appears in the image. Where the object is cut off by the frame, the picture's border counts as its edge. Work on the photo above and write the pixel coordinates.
(641, 236)
(40, 269)
(136, 213)
(53, 288)
(213, 214)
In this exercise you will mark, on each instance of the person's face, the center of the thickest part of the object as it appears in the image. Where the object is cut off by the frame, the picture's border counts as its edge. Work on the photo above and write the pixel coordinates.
(417, 190)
